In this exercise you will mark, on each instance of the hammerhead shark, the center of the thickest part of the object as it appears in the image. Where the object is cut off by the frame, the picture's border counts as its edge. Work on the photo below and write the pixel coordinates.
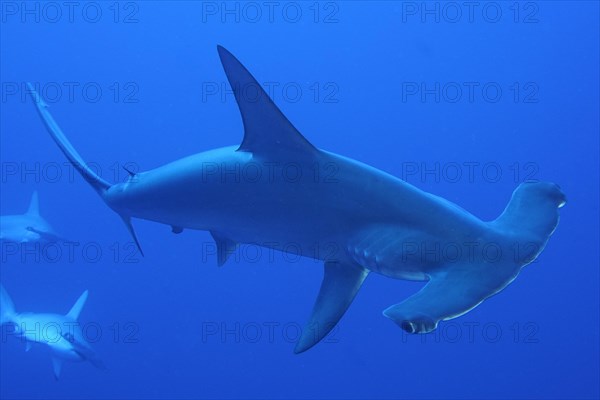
(27, 228)
(279, 191)
(61, 333)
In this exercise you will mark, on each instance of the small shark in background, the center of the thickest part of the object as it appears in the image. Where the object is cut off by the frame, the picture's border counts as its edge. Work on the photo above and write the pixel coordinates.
(30, 227)
(61, 333)
(375, 222)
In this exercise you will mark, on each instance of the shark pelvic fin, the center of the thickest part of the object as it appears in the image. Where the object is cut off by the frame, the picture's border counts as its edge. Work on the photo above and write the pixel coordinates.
(267, 131)
(225, 247)
(340, 284)
(27, 346)
(34, 205)
(73, 314)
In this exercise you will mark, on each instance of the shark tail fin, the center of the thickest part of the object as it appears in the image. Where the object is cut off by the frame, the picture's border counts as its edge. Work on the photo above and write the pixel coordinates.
(99, 184)
(34, 204)
(7, 308)
(73, 314)
(532, 215)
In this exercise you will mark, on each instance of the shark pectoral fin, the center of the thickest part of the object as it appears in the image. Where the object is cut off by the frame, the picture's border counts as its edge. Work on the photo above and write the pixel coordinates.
(448, 295)
(225, 247)
(86, 353)
(266, 130)
(57, 367)
(127, 221)
(340, 284)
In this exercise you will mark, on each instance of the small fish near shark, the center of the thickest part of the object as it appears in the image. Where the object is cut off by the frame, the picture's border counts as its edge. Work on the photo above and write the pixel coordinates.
(61, 333)
(30, 227)
(371, 218)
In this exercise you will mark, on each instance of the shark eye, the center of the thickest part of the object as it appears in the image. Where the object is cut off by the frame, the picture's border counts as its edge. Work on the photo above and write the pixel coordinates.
(409, 326)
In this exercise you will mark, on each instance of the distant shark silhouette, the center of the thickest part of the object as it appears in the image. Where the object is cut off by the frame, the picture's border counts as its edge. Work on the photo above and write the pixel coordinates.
(27, 228)
(61, 333)
(277, 189)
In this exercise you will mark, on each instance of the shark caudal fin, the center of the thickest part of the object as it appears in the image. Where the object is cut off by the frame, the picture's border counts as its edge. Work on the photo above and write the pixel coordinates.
(99, 184)
(34, 205)
(7, 308)
(531, 216)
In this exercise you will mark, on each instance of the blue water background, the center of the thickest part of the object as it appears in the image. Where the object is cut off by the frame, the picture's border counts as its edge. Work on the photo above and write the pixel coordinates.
(157, 315)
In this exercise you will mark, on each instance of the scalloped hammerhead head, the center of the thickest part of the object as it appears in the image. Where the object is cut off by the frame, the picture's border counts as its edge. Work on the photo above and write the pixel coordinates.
(30, 227)
(61, 333)
(277, 189)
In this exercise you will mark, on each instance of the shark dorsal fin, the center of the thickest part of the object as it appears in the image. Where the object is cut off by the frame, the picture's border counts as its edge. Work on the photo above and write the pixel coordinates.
(267, 131)
(34, 204)
(77, 307)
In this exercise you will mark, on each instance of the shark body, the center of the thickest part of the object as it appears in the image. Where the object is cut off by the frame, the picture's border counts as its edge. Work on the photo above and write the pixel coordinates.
(62, 334)
(279, 191)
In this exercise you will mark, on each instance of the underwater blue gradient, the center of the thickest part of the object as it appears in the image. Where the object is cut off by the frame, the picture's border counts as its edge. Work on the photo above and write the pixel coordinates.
(174, 325)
